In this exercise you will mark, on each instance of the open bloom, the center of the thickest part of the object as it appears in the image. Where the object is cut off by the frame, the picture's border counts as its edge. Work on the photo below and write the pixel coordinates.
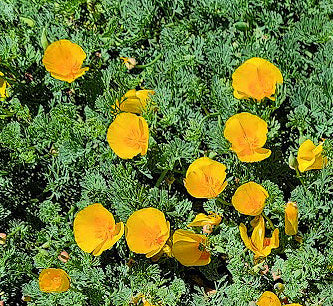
(268, 298)
(190, 249)
(247, 134)
(128, 135)
(95, 229)
(147, 231)
(205, 178)
(249, 199)
(134, 101)
(54, 280)
(3, 87)
(258, 244)
(256, 78)
(207, 222)
(291, 218)
(63, 59)
(310, 156)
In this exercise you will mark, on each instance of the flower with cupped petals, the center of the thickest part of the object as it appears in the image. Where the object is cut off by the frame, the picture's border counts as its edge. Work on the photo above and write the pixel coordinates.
(207, 222)
(250, 199)
(64, 59)
(247, 134)
(3, 87)
(256, 78)
(310, 157)
(95, 229)
(134, 101)
(269, 298)
(53, 280)
(258, 244)
(128, 135)
(291, 218)
(190, 249)
(205, 178)
(147, 231)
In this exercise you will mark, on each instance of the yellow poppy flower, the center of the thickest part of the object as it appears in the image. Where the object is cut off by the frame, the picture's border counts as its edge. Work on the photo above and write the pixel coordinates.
(54, 280)
(258, 244)
(147, 231)
(205, 178)
(256, 78)
(128, 135)
(3, 87)
(247, 134)
(291, 218)
(249, 199)
(268, 298)
(134, 101)
(310, 156)
(63, 59)
(190, 249)
(95, 229)
(202, 220)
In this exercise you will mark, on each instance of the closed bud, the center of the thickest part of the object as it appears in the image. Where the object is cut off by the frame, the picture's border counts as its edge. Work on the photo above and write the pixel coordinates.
(3, 238)
(291, 218)
(64, 256)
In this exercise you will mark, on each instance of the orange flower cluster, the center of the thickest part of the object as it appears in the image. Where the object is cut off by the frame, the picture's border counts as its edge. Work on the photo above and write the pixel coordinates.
(147, 230)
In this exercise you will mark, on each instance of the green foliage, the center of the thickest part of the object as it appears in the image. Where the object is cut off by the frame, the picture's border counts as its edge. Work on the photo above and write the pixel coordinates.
(54, 158)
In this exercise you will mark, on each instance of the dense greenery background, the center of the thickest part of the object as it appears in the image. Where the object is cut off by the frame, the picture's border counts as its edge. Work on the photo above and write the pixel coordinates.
(54, 158)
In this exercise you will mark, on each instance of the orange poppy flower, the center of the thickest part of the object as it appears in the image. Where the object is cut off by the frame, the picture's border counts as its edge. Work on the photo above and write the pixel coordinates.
(247, 134)
(134, 101)
(95, 229)
(63, 59)
(3, 87)
(190, 249)
(147, 231)
(128, 135)
(249, 199)
(310, 156)
(207, 222)
(258, 244)
(54, 280)
(268, 298)
(256, 78)
(205, 178)
(291, 218)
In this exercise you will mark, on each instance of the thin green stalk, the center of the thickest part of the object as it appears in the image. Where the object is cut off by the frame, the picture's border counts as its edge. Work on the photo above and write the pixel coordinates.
(271, 225)
(160, 179)
(223, 202)
(151, 63)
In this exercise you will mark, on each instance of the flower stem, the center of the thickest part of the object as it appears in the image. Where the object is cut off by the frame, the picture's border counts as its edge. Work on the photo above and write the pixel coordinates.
(151, 63)
(271, 225)
(160, 179)
(223, 202)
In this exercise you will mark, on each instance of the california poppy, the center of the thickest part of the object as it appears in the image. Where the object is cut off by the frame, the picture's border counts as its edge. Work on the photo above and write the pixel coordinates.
(310, 157)
(54, 280)
(147, 231)
(190, 249)
(256, 78)
(134, 101)
(95, 229)
(207, 222)
(205, 178)
(63, 59)
(128, 135)
(249, 199)
(269, 298)
(3, 87)
(291, 218)
(258, 244)
(247, 134)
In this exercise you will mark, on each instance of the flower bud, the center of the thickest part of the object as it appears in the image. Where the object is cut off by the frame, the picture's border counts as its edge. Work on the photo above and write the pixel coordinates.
(3, 238)
(291, 218)
(64, 256)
